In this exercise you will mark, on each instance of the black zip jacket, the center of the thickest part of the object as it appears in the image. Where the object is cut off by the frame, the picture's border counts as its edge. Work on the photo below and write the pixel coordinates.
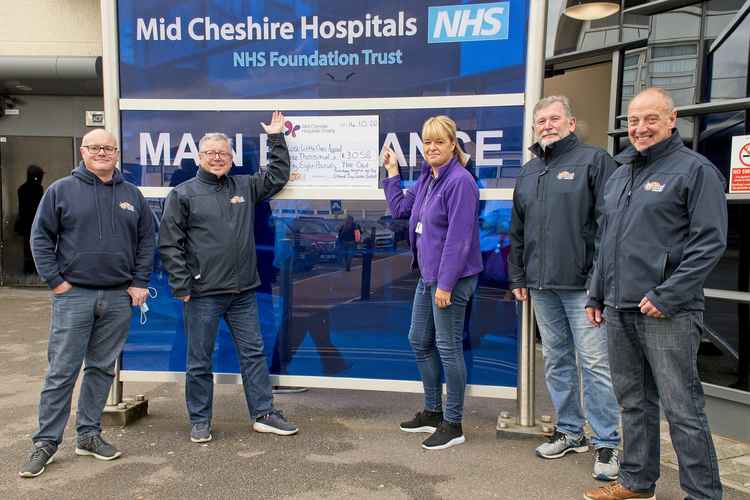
(93, 234)
(206, 236)
(554, 226)
(665, 227)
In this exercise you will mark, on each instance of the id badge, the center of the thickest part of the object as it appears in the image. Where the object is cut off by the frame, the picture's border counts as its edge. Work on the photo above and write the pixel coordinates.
(418, 229)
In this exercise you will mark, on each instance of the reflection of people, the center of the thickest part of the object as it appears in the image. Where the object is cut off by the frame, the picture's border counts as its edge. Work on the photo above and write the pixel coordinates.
(29, 195)
(665, 228)
(444, 237)
(208, 249)
(554, 265)
(348, 237)
(93, 243)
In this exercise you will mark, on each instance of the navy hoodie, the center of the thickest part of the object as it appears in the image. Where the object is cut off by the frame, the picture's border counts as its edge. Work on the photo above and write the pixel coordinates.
(93, 234)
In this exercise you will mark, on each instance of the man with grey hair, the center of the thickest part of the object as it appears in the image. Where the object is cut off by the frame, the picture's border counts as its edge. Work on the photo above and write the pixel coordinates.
(664, 229)
(553, 236)
(207, 247)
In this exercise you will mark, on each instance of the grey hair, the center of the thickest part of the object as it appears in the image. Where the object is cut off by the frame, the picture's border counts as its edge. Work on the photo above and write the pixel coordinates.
(550, 100)
(214, 136)
(668, 101)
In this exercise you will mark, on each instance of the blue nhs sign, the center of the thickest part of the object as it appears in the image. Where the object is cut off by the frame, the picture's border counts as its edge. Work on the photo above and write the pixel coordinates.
(468, 23)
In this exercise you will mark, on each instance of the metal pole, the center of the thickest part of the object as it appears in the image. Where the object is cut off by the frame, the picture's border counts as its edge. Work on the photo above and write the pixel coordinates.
(114, 397)
(526, 358)
(111, 90)
(534, 88)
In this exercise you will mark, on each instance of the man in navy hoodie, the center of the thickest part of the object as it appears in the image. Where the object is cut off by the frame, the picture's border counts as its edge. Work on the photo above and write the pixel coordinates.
(93, 243)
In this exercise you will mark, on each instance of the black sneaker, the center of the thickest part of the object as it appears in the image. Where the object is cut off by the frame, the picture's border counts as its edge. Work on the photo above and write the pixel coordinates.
(42, 453)
(423, 421)
(275, 423)
(96, 447)
(200, 432)
(447, 434)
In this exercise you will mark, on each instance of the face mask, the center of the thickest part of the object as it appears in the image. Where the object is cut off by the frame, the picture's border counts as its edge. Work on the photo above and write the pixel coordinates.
(152, 293)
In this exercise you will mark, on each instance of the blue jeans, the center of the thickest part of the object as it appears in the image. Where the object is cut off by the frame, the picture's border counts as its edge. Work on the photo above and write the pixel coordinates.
(436, 335)
(87, 327)
(202, 315)
(565, 333)
(655, 360)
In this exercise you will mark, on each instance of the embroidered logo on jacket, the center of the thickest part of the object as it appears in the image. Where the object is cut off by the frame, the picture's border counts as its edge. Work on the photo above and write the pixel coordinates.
(127, 206)
(237, 199)
(566, 175)
(655, 186)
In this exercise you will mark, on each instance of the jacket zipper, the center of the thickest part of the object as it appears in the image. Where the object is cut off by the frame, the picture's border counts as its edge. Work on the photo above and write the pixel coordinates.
(540, 197)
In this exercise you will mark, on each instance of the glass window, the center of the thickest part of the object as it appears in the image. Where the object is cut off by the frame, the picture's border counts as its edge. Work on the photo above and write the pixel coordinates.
(729, 65)
(592, 40)
(673, 51)
(718, 14)
(681, 24)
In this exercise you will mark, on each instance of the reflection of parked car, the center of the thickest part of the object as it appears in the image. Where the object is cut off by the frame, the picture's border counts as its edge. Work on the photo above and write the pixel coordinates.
(400, 227)
(384, 237)
(312, 239)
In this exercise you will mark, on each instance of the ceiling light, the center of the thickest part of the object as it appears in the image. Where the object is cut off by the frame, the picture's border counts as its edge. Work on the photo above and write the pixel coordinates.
(590, 10)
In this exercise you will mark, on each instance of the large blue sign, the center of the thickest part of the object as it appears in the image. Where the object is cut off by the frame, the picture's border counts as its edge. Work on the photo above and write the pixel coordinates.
(225, 49)
(197, 66)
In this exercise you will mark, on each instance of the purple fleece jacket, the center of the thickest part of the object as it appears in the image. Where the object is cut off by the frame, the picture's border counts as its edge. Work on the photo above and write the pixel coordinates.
(448, 248)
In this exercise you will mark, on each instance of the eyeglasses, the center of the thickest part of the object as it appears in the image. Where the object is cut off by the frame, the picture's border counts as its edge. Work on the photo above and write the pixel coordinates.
(213, 154)
(94, 149)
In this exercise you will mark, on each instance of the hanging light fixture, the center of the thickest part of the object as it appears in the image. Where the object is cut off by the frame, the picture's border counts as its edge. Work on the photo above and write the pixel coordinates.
(590, 10)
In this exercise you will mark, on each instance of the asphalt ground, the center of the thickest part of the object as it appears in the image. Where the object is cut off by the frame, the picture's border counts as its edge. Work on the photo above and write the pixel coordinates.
(349, 444)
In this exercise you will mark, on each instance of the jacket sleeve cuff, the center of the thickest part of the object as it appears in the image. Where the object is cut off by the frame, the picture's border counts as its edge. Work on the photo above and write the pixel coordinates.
(517, 284)
(663, 308)
(595, 303)
(276, 138)
(55, 282)
(182, 292)
(139, 284)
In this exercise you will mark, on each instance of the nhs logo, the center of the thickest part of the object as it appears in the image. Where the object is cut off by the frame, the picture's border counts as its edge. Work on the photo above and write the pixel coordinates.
(468, 23)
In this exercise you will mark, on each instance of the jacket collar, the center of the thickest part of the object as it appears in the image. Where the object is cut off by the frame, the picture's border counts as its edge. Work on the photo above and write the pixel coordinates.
(649, 155)
(555, 149)
(442, 171)
(210, 178)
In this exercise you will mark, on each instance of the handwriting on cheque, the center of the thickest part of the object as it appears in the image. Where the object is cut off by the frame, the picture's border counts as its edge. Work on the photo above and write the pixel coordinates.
(334, 148)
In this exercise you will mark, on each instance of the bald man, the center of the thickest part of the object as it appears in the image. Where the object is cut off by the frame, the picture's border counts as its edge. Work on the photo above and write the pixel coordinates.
(93, 243)
(664, 229)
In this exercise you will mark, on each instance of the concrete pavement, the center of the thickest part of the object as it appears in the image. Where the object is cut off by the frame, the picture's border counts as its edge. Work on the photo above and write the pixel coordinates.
(349, 444)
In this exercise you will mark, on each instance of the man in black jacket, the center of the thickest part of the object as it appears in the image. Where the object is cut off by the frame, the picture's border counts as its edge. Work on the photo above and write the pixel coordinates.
(93, 243)
(208, 249)
(665, 227)
(553, 233)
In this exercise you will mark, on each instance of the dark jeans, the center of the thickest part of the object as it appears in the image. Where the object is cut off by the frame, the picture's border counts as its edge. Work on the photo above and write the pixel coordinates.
(653, 361)
(202, 315)
(87, 326)
(436, 335)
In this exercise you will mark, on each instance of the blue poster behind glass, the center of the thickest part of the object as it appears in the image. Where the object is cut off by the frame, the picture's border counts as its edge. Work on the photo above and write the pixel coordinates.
(319, 319)
(235, 49)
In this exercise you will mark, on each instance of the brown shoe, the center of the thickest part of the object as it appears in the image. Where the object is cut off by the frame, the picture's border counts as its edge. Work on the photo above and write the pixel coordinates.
(616, 491)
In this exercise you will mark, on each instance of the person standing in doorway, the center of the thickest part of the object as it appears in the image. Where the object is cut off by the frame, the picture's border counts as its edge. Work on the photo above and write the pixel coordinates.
(29, 196)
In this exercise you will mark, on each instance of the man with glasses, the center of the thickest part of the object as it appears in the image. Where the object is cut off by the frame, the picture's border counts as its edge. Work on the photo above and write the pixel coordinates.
(208, 249)
(93, 243)
(664, 229)
(553, 234)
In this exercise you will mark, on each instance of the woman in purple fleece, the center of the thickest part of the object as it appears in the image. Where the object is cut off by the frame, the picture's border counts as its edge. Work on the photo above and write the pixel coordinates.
(442, 208)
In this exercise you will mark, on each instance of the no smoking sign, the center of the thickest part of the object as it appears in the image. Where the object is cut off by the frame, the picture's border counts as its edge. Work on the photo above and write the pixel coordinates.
(739, 175)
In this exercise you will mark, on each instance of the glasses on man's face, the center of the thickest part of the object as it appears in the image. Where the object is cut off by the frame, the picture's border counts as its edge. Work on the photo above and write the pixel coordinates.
(211, 154)
(95, 149)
